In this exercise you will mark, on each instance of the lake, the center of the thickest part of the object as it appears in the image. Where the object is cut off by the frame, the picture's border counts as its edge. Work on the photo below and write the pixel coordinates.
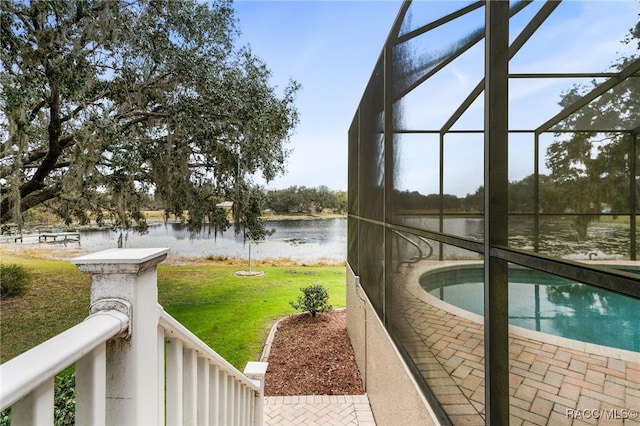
(300, 240)
(326, 240)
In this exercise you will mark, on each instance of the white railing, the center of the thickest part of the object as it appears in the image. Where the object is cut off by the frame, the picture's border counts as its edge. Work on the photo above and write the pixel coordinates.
(135, 364)
(202, 387)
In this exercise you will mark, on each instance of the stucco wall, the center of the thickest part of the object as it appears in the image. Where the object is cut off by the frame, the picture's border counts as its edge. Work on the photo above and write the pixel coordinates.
(393, 393)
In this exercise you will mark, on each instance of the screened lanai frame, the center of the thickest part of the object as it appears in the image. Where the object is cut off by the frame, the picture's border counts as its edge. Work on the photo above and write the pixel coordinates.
(372, 225)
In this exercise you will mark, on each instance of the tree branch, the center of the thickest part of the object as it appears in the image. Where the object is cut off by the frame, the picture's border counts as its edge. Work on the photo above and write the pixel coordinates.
(28, 202)
(36, 109)
(35, 156)
(54, 130)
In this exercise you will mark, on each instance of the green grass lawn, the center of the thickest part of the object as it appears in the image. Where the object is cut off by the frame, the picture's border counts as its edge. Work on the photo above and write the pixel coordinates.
(231, 314)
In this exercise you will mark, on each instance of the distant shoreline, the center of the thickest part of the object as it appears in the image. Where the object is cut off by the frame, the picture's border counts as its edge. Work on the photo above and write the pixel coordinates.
(304, 216)
(155, 218)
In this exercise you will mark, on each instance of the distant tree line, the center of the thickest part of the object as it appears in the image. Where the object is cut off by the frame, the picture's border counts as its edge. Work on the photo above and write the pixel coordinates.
(552, 200)
(300, 199)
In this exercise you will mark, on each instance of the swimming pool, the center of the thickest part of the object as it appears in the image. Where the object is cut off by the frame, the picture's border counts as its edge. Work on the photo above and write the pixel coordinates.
(545, 303)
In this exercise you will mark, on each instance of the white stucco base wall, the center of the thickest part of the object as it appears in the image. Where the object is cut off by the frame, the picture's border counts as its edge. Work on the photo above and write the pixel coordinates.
(394, 395)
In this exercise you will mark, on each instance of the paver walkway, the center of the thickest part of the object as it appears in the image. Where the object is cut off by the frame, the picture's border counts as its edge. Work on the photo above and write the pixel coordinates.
(334, 410)
(329, 410)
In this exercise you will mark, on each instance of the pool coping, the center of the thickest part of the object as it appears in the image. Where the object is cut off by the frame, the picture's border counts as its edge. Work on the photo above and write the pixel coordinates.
(414, 288)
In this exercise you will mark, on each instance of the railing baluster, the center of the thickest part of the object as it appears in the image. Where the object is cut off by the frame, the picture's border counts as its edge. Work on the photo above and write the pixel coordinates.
(36, 408)
(231, 399)
(203, 391)
(161, 378)
(214, 394)
(243, 404)
(91, 385)
(174, 381)
(190, 387)
(251, 399)
(240, 402)
(246, 410)
(236, 402)
(240, 407)
(224, 395)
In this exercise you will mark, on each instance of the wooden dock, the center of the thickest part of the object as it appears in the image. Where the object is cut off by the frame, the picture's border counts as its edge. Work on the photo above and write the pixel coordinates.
(53, 237)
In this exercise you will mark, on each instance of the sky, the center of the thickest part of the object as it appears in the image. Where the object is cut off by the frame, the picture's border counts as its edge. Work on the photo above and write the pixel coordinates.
(331, 47)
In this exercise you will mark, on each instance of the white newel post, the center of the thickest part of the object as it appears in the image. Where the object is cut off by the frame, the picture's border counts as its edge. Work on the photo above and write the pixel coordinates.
(126, 280)
(256, 371)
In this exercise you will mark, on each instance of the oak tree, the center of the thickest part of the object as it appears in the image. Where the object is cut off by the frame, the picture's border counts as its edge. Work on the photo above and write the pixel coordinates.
(106, 101)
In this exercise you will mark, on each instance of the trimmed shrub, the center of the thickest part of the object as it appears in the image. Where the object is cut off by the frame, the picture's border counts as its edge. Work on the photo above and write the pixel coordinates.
(314, 300)
(13, 281)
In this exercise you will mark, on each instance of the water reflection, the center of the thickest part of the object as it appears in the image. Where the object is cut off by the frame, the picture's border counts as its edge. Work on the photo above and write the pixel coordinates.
(557, 237)
(596, 315)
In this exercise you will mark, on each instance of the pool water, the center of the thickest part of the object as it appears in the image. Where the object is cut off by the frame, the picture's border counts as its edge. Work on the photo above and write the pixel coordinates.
(549, 304)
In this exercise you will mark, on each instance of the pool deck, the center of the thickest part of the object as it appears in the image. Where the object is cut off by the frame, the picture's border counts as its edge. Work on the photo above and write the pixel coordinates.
(552, 380)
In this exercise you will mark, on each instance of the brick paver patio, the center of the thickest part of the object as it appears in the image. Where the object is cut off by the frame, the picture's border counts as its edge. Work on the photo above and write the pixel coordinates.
(552, 382)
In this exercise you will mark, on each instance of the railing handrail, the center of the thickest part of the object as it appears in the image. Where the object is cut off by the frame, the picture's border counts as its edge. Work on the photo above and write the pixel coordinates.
(24, 373)
(421, 256)
(189, 340)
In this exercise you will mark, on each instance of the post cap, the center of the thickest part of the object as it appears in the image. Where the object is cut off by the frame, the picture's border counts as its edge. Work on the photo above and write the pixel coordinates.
(130, 259)
(256, 369)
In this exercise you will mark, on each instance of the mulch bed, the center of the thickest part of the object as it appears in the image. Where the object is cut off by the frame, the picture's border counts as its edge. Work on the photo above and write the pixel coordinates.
(313, 356)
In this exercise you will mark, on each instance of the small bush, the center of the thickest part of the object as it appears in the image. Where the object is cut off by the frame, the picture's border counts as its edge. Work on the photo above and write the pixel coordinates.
(64, 409)
(5, 417)
(313, 301)
(13, 281)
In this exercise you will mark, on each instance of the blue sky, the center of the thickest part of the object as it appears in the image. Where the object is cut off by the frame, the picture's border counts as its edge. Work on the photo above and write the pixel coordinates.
(331, 47)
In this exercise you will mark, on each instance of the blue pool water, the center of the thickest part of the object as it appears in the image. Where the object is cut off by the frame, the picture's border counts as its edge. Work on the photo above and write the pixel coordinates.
(548, 304)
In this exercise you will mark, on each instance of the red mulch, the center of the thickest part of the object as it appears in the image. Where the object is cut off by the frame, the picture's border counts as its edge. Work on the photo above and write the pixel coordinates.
(313, 356)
